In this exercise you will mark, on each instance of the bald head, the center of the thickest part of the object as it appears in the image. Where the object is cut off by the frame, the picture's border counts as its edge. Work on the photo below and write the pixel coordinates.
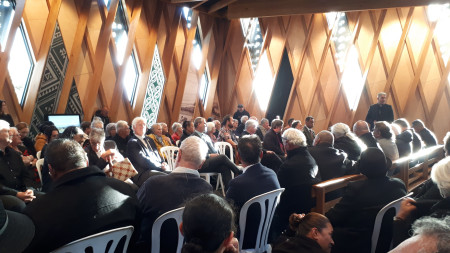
(324, 137)
(361, 127)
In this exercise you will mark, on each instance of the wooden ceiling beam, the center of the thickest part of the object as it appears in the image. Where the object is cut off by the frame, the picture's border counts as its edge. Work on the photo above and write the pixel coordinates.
(219, 5)
(270, 8)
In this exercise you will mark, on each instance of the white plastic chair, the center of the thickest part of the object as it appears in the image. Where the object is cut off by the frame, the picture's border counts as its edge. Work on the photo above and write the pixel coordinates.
(272, 198)
(208, 175)
(39, 164)
(99, 241)
(170, 153)
(156, 229)
(221, 147)
(38, 155)
(378, 220)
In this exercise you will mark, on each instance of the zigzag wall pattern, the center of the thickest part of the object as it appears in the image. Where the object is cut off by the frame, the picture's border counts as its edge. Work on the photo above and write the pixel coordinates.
(52, 81)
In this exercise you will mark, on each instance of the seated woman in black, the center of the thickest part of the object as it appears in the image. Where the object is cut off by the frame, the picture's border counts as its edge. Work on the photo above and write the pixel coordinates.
(208, 225)
(310, 233)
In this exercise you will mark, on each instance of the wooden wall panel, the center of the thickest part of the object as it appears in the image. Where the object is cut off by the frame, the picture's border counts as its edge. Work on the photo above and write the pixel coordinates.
(398, 53)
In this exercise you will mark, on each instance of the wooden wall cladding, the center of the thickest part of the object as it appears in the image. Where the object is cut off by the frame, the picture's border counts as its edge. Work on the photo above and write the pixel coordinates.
(398, 53)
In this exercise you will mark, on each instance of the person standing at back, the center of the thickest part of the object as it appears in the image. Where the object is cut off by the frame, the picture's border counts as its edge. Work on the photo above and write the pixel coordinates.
(380, 111)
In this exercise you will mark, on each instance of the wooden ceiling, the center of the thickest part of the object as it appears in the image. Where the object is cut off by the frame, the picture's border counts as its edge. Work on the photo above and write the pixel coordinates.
(233, 9)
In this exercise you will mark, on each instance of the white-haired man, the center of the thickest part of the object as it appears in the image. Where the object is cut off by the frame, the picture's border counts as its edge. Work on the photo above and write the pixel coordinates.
(143, 154)
(164, 193)
(380, 111)
(15, 179)
(297, 174)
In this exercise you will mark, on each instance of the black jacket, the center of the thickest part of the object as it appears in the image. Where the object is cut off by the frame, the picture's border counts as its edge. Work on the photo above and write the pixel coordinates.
(428, 137)
(81, 203)
(369, 140)
(297, 174)
(332, 162)
(379, 113)
(272, 141)
(404, 143)
(14, 176)
(349, 146)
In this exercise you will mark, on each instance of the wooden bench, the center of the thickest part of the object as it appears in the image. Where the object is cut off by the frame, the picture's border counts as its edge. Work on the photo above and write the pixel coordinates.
(319, 190)
(415, 169)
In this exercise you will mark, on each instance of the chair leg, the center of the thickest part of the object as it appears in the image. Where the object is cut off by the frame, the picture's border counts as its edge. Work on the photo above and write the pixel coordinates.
(220, 181)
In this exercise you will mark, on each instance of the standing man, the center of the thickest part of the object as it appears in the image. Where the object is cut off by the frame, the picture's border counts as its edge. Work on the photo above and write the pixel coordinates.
(308, 131)
(380, 111)
(240, 112)
(272, 140)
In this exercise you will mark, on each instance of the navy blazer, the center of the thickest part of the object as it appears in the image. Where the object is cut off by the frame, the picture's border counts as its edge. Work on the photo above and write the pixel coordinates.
(143, 158)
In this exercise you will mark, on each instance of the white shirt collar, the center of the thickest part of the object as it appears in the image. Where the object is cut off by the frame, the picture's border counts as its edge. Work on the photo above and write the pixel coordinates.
(186, 170)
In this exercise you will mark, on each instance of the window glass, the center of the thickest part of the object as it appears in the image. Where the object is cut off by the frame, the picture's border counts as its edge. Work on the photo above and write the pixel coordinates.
(204, 86)
(253, 39)
(6, 15)
(21, 63)
(131, 77)
(120, 33)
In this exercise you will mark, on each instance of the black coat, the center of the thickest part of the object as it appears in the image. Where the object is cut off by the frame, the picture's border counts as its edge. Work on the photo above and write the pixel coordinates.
(14, 176)
(428, 137)
(404, 143)
(297, 174)
(121, 144)
(272, 141)
(332, 162)
(417, 142)
(354, 216)
(349, 146)
(369, 140)
(81, 203)
(94, 159)
(379, 113)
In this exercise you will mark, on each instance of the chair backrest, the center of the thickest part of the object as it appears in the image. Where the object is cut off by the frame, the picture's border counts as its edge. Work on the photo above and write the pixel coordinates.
(156, 229)
(99, 242)
(38, 154)
(221, 147)
(170, 153)
(39, 164)
(272, 198)
(378, 220)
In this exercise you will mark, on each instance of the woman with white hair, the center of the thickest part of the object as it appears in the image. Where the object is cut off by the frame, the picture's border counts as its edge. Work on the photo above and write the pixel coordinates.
(210, 130)
(413, 209)
(345, 140)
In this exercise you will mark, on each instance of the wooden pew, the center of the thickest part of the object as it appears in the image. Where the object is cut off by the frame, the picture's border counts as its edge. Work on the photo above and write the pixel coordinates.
(319, 190)
(415, 169)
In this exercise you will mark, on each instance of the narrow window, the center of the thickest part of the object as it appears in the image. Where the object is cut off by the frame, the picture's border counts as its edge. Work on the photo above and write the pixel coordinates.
(204, 86)
(131, 78)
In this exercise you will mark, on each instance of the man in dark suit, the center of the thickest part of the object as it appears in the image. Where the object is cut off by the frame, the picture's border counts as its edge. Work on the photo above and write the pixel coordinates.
(143, 154)
(241, 127)
(361, 129)
(297, 174)
(427, 136)
(82, 201)
(160, 194)
(256, 180)
(188, 129)
(332, 162)
(380, 111)
(308, 131)
(215, 162)
(272, 140)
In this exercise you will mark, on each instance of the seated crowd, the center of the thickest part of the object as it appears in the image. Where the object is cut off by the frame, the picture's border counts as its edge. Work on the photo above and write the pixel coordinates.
(61, 187)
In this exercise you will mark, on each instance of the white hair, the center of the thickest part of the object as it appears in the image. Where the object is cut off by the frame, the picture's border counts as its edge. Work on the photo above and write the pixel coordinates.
(340, 130)
(295, 137)
(97, 134)
(440, 174)
(194, 151)
(381, 93)
(121, 124)
(175, 126)
(156, 125)
(244, 118)
(97, 123)
(209, 126)
(110, 127)
(137, 120)
(4, 125)
(249, 123)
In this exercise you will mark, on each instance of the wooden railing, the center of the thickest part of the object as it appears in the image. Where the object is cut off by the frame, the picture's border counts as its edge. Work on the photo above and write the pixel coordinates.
(412, 170)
